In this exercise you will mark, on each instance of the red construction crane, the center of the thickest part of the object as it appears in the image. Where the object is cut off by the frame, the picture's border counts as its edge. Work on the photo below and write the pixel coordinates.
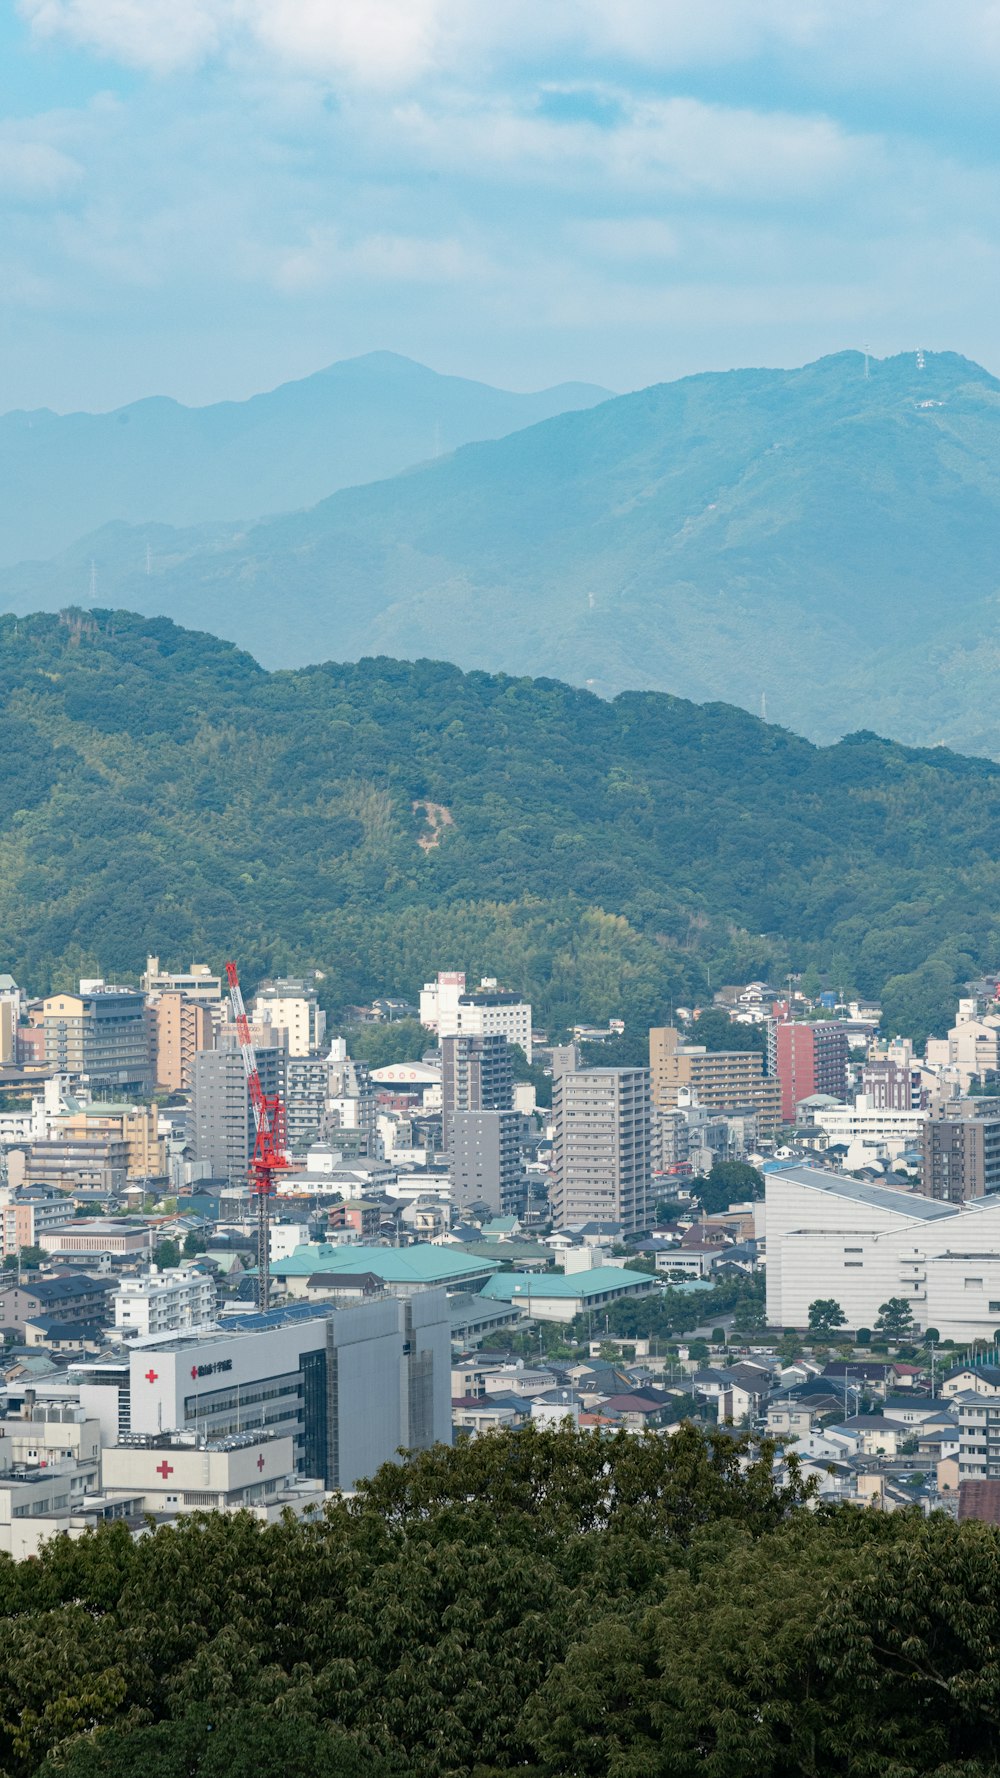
(269, 1156)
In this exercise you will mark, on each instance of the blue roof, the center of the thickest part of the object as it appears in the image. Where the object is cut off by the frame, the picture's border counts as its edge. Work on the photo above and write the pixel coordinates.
(422, 1264)
(596, 1282)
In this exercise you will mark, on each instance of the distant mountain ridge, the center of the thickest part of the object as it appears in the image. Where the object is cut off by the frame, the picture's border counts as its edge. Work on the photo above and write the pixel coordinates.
(814, 537)
(64, 475)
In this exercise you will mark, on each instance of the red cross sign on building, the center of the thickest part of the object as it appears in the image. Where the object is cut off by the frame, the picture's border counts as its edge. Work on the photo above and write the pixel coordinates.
(164, 1469)
(152, 1376)
(260, 1463)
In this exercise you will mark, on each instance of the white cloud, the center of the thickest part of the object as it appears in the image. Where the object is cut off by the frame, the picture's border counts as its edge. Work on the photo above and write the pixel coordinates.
(386, 42)
(677, 146)
(324, 259)
(35, 172)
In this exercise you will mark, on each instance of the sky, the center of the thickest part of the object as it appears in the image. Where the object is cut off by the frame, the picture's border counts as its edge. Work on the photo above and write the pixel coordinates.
(204, 198)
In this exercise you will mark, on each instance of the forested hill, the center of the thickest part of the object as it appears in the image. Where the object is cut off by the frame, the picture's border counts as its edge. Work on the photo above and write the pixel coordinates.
(822, 538)
(162, 792)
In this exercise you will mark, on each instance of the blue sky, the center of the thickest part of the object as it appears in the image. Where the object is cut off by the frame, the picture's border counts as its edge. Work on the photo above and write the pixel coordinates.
(206, 197)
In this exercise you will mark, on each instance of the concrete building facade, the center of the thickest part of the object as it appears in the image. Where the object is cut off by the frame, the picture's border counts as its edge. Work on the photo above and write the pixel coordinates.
(476, 1075)
(292, 1010)
(602, 1159)
(221, 1126)
(167, 1301)
(828, 1235)
(182, 1025)
(719, 1080)
(810, 1058)
(484, 1159)
(959, 1157)
(101, 1034)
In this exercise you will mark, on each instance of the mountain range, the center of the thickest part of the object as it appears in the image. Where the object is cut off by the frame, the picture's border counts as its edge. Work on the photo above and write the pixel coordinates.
(820, 543)
(162, 792)
(64, 475)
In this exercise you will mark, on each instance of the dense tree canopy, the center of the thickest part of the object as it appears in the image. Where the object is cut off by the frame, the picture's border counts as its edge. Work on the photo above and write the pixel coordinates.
(162, 792)
(541, 1601)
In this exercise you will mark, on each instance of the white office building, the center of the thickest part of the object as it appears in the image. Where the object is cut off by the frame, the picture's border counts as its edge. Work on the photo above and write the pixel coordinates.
(450, 1009)
(869, 1132)
(831, 1236)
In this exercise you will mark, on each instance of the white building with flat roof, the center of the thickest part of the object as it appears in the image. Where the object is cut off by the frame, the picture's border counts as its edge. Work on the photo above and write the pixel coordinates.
(159, 1302)
(832, 1236)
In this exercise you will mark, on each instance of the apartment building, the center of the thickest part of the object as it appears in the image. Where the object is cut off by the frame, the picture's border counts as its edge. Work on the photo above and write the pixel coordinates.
(602, 1160)
(97, 1162)
(221, 1124)
(292, 1010)
(101, 1034)
(159, 1302)
(476, 1075)
(182, 1025)
(23, 1216)
(810, 1058)
(484, 1159)
(960, 1156)
(718, 1080)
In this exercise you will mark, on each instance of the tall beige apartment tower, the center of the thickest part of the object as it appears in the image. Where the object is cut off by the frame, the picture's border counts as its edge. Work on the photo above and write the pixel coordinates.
(603, 1148)
(181, 1027)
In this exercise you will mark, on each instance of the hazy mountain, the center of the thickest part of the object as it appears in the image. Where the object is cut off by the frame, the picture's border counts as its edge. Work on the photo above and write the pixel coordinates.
(161, 792)
(62, 475)
(822, 538)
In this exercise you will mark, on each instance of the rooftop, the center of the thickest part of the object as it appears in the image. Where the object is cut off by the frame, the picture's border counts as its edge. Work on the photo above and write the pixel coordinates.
(506, 1285)
(421, 1264)
(880, 1197)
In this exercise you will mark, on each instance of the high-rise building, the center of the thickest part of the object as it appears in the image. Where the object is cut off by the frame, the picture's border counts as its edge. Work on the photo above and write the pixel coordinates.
(484, 1160)
(960, 1157)
(221, 1124)
(307, 1089)
(102, 1034)
(476, 1075)
(810, 1058)
(293, 1011)
(718, 1080)
(181, 1027)
(351, 1105)
(602, 1158)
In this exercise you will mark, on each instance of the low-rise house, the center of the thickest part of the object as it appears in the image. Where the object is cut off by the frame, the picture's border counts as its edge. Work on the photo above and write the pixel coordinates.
(474, 1414)
(876, 1436)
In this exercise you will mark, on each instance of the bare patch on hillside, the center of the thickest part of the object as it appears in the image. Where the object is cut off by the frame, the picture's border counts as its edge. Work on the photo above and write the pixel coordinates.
(437, 818)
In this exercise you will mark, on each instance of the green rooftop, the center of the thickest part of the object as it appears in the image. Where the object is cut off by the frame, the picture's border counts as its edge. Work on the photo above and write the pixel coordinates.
(598, 1282)
(422, 1264)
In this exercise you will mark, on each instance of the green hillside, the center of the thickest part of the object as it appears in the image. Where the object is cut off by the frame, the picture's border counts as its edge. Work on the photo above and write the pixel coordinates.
(62, 475)
(819, 538)
(162, 792)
